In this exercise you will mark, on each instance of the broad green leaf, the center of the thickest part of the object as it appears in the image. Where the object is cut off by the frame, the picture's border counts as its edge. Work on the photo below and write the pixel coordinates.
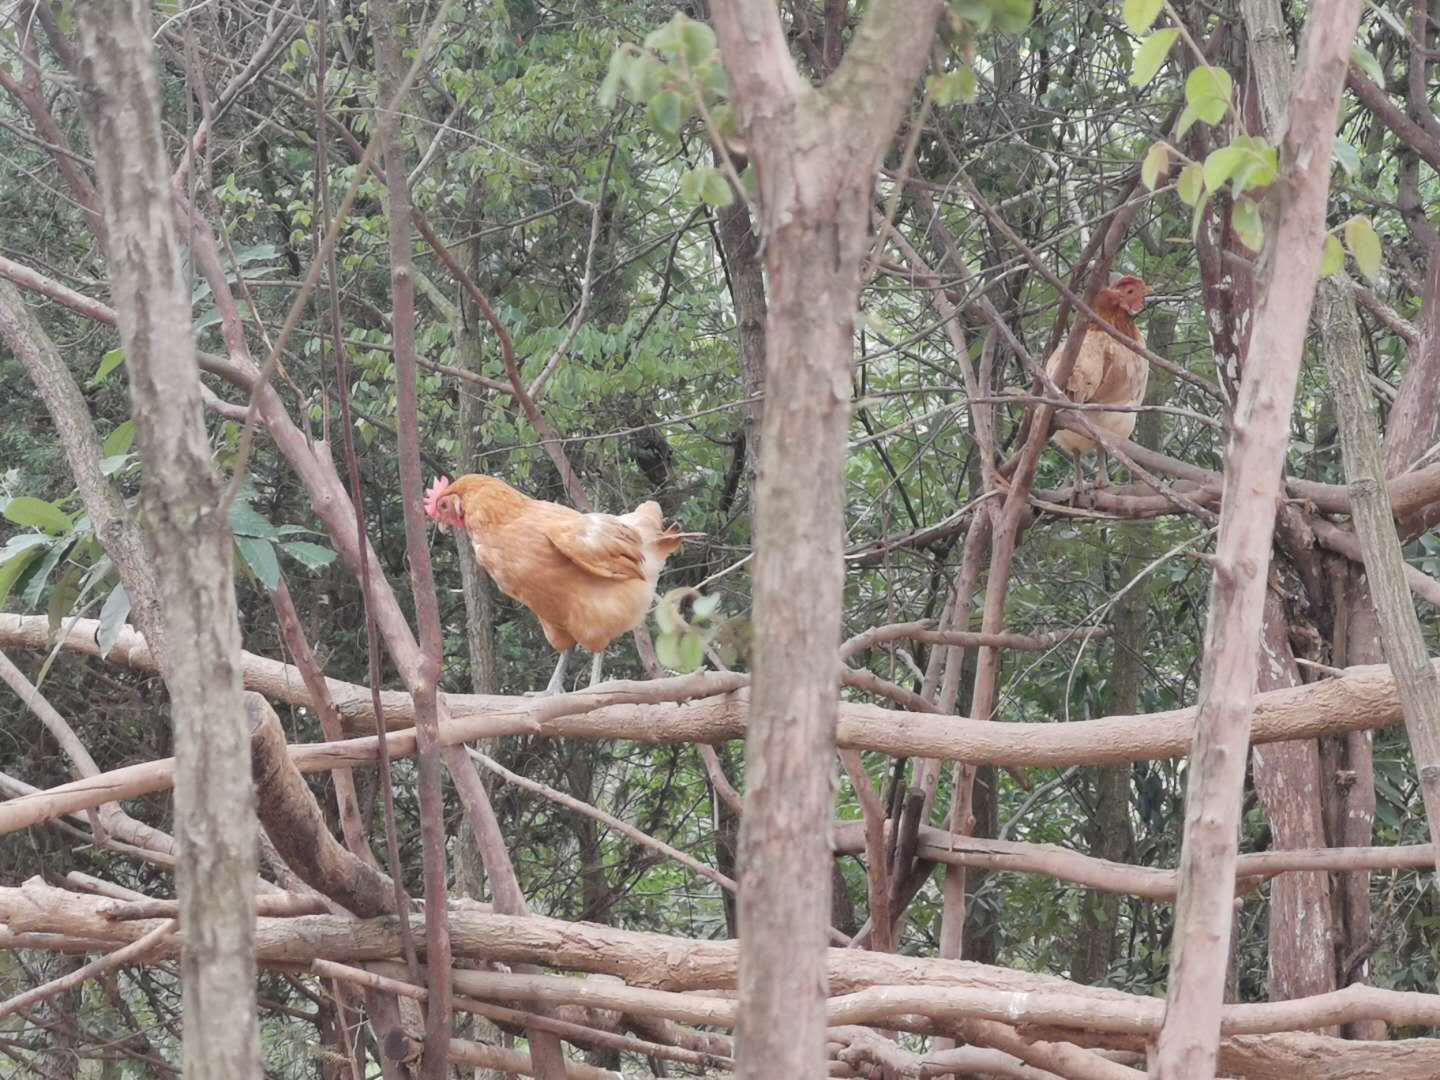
(108, 363)
(312, 556)
(1245, 218)
(1389, 18)
(1364, 244)
(1140, 15)
(1012, 16)
(1347, 156)
(692, 184)
(697, 42)
(1220, 165)
(691, 650)
(1188, 116)
(667, 650)
(665, 112)
(667, 38)
(1151, 55)
(1333, 261)
(1198, 217)
(119, 441)
(12, 568)
(975, 12)
(1260, 169)
(1157, 160)
(716, 189)
(27, 510)
(245, 521)
(112, 619)
(1207, 91)
(22, 542)
(259, 555)
(1365, 60)
(36, 585)
(1191, 184)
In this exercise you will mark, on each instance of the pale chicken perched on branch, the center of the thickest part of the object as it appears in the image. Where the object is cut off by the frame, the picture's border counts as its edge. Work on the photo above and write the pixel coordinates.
(587, 577)
(1106, 372)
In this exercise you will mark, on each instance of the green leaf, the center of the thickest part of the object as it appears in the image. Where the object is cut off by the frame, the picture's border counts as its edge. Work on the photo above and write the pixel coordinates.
(697, 42)
(692, 184)
(691, 651)
(36, 585)
(13, 567)
(1207, 91)
(108, 363)
(1191, 184)
(112, 619)
(1220, 165)
(1140, 15)
(1198, 217)
(311, 556)
(119, 440)
(1151, 55)
(1364, 244)
(1365, 60)
(716, 190)
(958, 85)
(1347, 156)
(27, 510)
(259, 555)
(667, 651)
(1156, 162)
(1245, 219)
(1012, 16)
(1333, 261)
(245, 521)
(620, 61)
(665, 113)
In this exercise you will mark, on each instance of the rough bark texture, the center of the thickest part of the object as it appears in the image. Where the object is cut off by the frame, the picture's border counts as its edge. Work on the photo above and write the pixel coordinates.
(1400, 632)
(815, 155)
(189, 542)
(1289, 780)
(1290, 268)
(295, 824)
(746, 278)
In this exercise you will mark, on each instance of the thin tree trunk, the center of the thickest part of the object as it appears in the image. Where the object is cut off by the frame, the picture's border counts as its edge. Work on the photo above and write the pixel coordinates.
(189, 542)
(1290, 268)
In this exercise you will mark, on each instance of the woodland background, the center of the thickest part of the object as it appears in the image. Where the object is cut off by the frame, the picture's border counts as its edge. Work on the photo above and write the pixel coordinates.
(606, 234)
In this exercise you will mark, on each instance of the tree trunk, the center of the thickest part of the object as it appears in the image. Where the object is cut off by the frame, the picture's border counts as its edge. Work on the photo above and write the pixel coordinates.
(189, 542)
(815, 156)
(1289, 270)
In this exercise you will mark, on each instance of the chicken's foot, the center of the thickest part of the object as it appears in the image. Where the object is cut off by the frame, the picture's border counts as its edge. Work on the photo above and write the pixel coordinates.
(556, 684)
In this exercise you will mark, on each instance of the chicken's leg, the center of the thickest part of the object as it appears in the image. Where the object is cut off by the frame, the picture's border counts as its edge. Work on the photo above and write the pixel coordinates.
(1075, 493)
(1102, 466)
(595, 667)
(557, 680)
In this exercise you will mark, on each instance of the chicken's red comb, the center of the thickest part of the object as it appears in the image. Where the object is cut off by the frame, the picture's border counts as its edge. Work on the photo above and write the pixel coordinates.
(433, 496)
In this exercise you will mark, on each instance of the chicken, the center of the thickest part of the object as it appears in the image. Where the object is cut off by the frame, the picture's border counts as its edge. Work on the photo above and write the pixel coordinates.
(587, 577)
(1106, 372)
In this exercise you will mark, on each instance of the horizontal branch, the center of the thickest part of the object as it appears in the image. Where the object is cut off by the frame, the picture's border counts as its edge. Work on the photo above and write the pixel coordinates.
(659, 969)
(714, 710)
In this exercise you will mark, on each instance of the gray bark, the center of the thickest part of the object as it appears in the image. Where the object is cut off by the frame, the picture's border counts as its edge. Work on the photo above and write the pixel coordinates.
(189, 542)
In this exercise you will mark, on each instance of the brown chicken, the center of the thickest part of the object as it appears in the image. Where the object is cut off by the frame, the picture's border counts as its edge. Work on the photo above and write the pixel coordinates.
(587, 577)
(1106, 372)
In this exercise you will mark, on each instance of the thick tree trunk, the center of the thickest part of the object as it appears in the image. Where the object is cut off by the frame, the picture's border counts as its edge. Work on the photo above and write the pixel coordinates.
(815, 155)
(189, 542)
